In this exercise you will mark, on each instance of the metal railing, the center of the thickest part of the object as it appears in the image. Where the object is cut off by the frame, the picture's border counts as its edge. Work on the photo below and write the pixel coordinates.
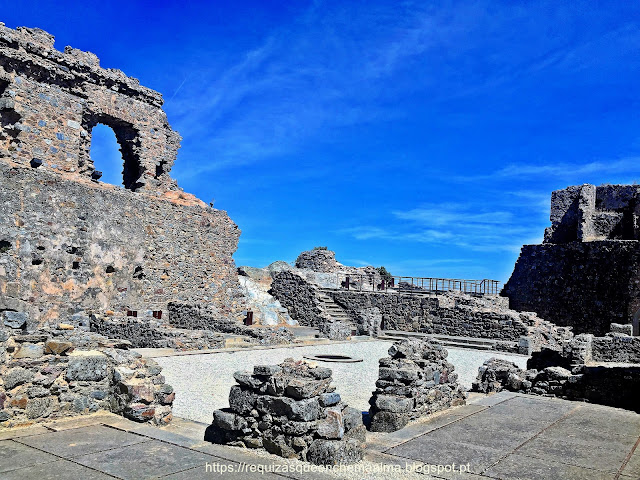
(400, 284)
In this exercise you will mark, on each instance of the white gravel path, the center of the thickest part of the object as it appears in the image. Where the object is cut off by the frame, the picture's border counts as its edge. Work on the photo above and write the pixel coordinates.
(202, 382)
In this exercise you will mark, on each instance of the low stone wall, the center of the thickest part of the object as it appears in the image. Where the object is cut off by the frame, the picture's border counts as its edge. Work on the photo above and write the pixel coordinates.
(415, 380)
(616, 348)
(59, 373)
(146, 333)
(190, 316)
(291, 410)
(613, 385)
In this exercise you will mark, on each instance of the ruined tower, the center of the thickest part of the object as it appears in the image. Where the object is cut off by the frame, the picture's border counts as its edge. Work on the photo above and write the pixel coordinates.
(586, 273)
(70, 245)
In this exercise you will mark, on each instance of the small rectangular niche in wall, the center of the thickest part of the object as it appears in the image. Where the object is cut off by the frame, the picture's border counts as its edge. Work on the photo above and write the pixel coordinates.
(132, 313)
(157, 314)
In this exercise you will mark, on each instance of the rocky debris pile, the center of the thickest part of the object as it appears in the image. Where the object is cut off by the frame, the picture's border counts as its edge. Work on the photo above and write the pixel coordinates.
(496, 375)
(415, 380)
(291, 410)
(319, 260)
(62, 372)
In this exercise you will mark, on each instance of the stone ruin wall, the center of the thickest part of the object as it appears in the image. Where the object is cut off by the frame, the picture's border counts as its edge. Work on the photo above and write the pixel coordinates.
(69, 244)
(586, 274)
(453, 314)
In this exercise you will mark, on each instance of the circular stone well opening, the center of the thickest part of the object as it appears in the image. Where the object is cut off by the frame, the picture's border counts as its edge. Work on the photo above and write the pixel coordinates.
(333, 358)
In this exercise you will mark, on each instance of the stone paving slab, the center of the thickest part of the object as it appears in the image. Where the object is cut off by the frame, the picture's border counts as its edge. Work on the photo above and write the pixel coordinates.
(584, 452)
(521, 467)
(14, 455)
(58, 470)
(81, 441)
(22, 432)
(384, 441)
(145, 460)
(528, 437)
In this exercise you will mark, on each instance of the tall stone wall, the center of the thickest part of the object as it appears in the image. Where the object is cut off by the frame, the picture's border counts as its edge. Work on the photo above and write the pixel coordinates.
(586, 273)
(72, 246)
(69, 244)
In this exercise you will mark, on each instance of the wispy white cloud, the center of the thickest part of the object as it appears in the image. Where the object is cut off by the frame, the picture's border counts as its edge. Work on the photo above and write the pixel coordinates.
(559, 170)
(452, 224)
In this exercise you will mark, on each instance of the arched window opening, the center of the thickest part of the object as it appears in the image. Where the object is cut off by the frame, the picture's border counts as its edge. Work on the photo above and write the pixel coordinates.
(106, 155)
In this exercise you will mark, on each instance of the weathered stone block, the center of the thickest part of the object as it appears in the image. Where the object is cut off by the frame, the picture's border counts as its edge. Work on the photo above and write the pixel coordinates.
(301, 388)
(140, 412)
(299, 410)
(57, 347)
(332, 426)
(16, 320)
(29, 351)
(229, 420)
(329, 399)
(40, 407)
(266, 370)
(17, 376)
(87, 366)
(242, 400)
(333, 452)
(394, 403)
(388, 421)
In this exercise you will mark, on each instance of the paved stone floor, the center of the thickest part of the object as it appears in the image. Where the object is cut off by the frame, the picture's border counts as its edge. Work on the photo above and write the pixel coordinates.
(503, 436)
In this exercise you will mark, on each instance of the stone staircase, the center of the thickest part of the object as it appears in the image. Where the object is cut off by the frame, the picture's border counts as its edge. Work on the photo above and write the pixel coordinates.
(335, 311)
(447, 340)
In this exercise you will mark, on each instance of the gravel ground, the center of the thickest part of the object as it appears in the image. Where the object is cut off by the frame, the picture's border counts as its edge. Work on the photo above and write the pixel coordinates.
(202, 382)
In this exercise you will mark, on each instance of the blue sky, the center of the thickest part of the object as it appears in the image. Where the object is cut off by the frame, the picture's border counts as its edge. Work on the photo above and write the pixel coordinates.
(425, 137)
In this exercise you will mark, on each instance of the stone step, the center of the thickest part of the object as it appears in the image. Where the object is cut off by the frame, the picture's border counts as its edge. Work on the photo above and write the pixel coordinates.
(448, 340)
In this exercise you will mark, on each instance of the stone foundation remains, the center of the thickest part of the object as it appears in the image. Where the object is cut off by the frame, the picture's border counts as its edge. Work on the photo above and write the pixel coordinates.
(64, 372)
(414, 381)
(585, 274)
(291, 410)
(588, 368)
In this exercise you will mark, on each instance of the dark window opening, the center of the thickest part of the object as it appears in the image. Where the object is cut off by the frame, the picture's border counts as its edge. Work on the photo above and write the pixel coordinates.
(8, 120)
(138, 273)
(4, 246)
(76, 265)
(132, 313)
(157, 314)
(72, 250)
(40, 247)
(110, 269)
(36, 261)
